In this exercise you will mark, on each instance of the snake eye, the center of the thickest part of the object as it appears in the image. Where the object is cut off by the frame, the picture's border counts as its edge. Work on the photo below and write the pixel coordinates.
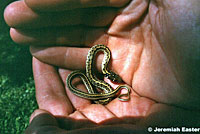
(107, 76)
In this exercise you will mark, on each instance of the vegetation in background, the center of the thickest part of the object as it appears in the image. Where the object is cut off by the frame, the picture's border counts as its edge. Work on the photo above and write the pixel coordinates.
(17, 93)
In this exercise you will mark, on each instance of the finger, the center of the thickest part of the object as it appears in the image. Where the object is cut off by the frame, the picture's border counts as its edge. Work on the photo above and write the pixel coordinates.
(50, 93)
(42, 120)
(49, 5)
(136, 107)
(77, 116)
(71, 58)
(77, 102)
(97, 113)
(19, 15)
(70, 36)
(36, 113)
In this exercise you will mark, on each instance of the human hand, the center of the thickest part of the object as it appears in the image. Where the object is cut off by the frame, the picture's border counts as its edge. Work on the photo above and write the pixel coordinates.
(73, 114)
(154, 47)
(149, 44)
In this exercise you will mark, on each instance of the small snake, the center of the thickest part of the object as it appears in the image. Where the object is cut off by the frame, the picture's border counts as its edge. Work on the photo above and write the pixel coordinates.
(90, 78)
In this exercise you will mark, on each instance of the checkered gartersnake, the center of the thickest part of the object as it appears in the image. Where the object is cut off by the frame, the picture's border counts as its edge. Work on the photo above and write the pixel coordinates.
(90, 79)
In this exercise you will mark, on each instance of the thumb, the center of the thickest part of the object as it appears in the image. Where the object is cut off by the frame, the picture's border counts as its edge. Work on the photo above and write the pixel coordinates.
(41, 121)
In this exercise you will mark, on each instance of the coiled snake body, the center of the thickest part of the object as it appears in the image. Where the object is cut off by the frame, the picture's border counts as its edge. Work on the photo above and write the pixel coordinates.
(90, 78)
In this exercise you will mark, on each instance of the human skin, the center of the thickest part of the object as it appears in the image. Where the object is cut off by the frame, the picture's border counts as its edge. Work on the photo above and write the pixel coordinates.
(154, 45)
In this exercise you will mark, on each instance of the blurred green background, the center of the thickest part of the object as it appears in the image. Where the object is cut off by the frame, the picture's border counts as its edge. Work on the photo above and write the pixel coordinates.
(17, 92)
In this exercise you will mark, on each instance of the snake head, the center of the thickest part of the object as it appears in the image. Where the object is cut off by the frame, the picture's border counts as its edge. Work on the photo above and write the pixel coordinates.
(113, 77)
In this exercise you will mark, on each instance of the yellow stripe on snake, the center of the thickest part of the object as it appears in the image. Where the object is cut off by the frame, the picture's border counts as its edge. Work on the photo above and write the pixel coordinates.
(90, 79)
